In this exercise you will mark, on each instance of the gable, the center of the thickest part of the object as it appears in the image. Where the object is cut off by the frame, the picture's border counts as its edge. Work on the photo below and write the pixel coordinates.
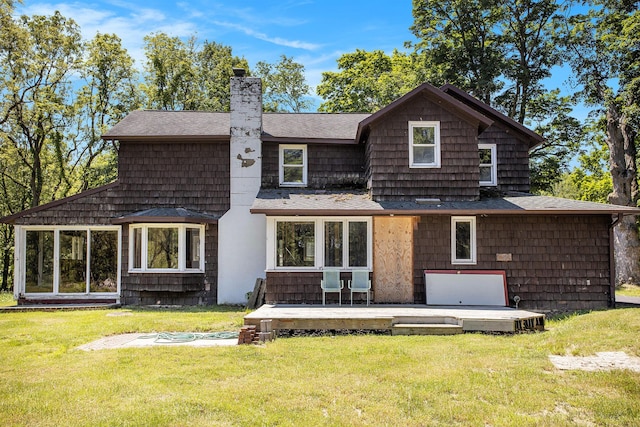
(517, 129)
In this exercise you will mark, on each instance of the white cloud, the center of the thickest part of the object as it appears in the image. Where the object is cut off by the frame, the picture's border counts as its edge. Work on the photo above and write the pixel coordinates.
(297, 44)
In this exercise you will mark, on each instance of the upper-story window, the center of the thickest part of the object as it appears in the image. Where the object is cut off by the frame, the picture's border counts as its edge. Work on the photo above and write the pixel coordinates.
(293, 165)
(424, 144)
(488, 168)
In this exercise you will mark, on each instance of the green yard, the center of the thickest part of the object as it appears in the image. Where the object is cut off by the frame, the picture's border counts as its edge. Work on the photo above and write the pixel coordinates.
(467, 380)
(628, 290)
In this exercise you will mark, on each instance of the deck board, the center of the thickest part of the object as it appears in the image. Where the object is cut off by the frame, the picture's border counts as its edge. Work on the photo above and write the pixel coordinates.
(377, 317)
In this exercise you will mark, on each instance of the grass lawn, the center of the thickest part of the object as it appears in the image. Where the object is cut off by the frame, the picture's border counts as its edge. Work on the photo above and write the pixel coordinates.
(628, 290)
(359, 380)
(6, 299)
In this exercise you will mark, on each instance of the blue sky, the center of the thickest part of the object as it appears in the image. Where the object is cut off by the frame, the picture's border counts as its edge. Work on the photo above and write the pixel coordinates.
(314, 32)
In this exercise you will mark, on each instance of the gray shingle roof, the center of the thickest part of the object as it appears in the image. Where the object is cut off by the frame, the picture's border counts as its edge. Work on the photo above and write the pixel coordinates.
(167, 215)
(308, 202)
(144, 124)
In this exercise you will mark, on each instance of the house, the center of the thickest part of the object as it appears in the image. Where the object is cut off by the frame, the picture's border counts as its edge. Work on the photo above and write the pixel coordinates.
(429, 194)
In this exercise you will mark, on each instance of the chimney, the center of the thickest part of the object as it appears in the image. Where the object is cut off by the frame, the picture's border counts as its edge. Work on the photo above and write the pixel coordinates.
(246, 145)
(240, 258)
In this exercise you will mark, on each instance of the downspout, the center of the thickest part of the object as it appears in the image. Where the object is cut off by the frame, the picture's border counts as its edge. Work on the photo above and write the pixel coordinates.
(612, 263)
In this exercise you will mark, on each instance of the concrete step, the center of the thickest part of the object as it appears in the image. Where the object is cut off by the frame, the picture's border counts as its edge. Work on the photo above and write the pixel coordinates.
(425, 329)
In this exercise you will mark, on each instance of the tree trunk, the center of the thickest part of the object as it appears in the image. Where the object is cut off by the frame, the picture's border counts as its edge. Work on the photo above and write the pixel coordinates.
(622, 164)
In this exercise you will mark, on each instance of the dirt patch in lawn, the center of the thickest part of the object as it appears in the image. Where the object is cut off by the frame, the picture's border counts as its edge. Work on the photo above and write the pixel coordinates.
(162, 339)
(604, 361)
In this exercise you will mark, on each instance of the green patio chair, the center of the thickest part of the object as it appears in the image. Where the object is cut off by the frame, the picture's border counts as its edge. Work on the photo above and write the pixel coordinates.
(331, 283)
(360, 282)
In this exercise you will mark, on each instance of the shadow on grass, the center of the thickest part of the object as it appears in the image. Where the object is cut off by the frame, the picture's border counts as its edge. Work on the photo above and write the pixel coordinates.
(187, 309)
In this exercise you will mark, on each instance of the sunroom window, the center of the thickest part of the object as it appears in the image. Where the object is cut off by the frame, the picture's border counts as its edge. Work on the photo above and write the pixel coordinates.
(424, 144)
(293, 165)
(66, 260)
(488, 168)
(166, 248)
(317, 243)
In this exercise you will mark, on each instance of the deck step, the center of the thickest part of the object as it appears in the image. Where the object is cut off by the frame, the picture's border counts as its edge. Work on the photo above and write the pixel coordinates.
(425, 329)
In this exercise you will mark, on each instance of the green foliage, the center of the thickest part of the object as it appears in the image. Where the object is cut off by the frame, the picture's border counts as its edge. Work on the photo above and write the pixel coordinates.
(459, 44)
(109, 93)
(284, 86)
(184, 76)
(603, 46)
(549, 115)
(367, 81)
(36, 65)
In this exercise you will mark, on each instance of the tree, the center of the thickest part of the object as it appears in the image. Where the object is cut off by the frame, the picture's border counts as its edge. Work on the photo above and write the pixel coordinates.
(529, 40)
(367, 81)
(459, 43)
(170, 72)
(550, 114)
(603, 46)
(284, 86)
(215, 64)
(38, 58)
(182, 76)
(109, 93)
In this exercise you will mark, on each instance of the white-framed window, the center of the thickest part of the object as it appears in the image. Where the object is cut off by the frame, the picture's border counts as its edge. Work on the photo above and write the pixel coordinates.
(295, 243)
(463, 240)
(293, 165)
(67, 260)
(166, 248)
(488, 164)
(424, 144)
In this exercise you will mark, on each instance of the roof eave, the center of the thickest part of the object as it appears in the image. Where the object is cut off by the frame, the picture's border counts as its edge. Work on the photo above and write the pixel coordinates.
(292, 140)
(166, 138)
(483, 121)
(165, 219)
(534, 138)
(421, 212)
(10, 219)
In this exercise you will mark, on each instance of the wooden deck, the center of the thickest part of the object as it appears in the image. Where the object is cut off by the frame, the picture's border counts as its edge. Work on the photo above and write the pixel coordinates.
(399, 319)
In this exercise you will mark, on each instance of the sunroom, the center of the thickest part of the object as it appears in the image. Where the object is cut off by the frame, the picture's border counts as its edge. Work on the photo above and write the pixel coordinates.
(68, 261)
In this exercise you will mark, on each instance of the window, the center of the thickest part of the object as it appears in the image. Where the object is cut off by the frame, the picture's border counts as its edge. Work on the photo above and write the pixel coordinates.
(317, 243)
(463, 240)
(293, 165)
(424, 144)
(68, 260)
(488, 169)
(296, 244)
(166, 248)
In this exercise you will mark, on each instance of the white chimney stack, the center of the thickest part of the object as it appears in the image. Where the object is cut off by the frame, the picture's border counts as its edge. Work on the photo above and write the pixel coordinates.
(241, 255)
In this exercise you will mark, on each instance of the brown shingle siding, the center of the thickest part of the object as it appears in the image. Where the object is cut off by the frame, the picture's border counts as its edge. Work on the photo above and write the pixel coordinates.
(513, 157)
(330, 166)
(388, 150)
(553, 257)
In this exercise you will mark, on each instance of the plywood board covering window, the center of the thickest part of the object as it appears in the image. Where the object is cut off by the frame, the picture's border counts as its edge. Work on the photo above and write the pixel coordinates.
(393, 259)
